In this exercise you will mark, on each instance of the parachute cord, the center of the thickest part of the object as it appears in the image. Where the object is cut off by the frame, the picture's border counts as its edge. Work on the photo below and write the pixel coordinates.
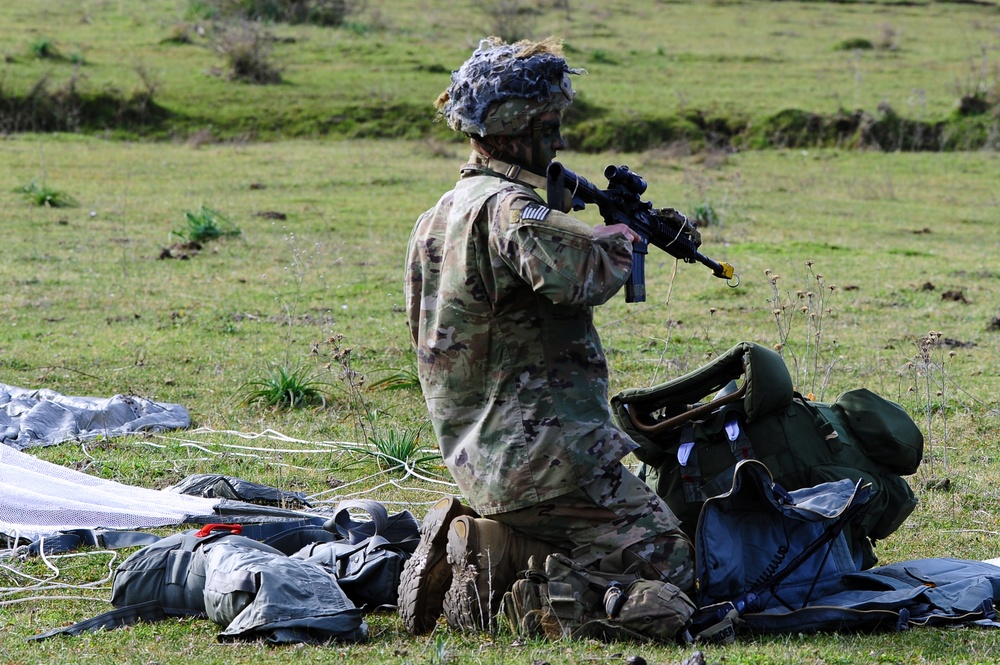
(666, 342)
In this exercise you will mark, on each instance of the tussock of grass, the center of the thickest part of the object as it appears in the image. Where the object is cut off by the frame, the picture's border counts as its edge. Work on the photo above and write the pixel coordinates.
(284, 388)
(206, 224)
(855, 44)
(398, 379)
(41, 194)
(395, 449)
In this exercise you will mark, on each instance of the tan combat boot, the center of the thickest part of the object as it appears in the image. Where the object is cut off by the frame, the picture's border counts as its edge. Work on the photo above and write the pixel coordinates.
(486, 557)
(427, 574)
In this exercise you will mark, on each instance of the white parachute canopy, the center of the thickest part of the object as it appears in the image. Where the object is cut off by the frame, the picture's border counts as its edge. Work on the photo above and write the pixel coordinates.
(38, 498)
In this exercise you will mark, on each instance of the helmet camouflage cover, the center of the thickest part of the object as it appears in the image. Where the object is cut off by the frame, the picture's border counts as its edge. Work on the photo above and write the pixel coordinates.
(501, 87)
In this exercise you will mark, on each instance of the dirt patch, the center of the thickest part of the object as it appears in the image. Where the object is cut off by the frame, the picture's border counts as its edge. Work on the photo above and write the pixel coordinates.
(181, 250)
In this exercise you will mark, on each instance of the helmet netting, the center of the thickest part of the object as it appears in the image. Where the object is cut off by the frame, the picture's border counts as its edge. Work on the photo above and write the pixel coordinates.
(533, 73)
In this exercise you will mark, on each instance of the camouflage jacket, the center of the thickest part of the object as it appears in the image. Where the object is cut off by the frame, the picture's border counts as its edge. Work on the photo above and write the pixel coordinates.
(500, 293)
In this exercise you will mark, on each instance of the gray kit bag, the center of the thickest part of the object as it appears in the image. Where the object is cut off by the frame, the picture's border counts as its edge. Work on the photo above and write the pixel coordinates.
(251, 589)
(366, 557)
(255, 593)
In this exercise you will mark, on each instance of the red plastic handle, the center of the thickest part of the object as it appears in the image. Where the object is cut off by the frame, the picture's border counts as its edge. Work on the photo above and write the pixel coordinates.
(235, 529)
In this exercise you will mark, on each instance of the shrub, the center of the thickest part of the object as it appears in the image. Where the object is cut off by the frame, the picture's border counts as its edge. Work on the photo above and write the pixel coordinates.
(247, 49)
(508, 19)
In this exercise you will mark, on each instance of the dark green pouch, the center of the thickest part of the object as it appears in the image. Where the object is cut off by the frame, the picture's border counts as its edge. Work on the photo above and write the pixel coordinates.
(884, 430)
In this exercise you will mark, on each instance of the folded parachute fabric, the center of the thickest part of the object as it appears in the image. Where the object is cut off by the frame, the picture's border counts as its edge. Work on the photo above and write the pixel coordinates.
(213, 485)
(44, 417)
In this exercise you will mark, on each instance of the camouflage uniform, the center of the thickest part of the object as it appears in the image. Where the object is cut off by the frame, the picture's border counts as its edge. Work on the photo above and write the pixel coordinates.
(500, 292)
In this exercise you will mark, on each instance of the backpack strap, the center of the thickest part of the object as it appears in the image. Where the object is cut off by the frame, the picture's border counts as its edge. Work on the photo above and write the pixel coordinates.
(345, 526)
(687, 457)
(289, 537)
(739, 446)
(400, 529)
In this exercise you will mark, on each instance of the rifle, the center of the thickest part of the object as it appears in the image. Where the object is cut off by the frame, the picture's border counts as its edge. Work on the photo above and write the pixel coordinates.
(620, 204)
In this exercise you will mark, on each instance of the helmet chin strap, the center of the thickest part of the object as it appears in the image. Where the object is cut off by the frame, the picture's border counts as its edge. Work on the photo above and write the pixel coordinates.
(536, 138)
(497, 153)
(491, 158)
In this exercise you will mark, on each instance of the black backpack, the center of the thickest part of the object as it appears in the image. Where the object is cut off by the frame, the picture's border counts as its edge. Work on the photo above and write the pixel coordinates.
(694, 429)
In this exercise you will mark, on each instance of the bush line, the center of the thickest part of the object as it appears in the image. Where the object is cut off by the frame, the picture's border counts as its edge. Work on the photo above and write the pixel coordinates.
(138, 116)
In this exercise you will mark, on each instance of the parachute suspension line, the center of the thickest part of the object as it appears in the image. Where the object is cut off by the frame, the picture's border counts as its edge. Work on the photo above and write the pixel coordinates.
(666, 342)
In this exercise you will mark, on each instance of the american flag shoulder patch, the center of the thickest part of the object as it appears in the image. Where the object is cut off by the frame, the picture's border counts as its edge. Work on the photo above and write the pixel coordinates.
(535, 211)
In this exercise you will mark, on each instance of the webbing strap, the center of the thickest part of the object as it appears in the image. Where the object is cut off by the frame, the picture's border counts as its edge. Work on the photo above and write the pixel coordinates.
(687, 457)
(492, 166)
(736, 434)
(72, 539)
(117, 618)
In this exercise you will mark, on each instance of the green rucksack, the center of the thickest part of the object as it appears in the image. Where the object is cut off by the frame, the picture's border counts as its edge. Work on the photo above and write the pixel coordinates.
(560, 598)
(694, 429)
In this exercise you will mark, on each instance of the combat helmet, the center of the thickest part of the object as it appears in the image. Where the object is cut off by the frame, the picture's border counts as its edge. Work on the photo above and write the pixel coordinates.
(502, 87)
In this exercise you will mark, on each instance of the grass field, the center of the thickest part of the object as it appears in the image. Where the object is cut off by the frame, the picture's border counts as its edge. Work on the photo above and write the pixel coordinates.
(99, 299)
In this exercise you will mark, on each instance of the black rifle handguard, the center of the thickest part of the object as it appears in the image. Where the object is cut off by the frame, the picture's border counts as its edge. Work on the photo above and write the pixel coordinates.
(621, 203)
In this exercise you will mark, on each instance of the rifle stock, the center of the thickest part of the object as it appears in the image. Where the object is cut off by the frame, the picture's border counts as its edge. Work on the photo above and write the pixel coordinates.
(620, 203)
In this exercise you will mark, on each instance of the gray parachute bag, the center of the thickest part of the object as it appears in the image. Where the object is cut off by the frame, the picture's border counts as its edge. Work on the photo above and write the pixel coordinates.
(251, 589)
(255, 593)
(774, 561)
(367, 557)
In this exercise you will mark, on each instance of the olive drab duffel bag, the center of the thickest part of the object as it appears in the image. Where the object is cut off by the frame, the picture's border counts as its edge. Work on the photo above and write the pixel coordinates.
(693, 430)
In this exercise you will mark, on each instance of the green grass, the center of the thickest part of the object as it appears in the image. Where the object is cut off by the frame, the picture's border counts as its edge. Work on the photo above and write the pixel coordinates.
(725, 64)
(43, 195)
(89, 307)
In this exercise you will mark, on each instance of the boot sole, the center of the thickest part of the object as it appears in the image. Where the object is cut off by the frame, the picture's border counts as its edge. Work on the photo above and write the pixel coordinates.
(419, 604)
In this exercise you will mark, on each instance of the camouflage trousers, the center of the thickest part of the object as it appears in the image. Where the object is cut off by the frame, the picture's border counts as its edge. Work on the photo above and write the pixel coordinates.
(615, 522)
